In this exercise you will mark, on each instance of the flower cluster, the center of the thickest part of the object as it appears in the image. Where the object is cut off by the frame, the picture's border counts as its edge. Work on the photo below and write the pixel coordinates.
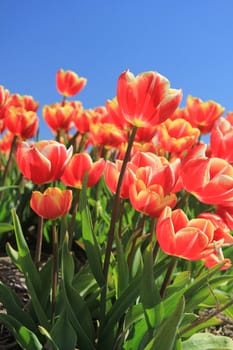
(143, 152)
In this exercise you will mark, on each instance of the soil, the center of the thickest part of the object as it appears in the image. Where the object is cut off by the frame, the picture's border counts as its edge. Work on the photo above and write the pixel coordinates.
(12, 277)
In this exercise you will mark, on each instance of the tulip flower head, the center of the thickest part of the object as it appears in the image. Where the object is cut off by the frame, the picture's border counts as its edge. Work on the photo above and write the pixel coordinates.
(202, 115)
(221, 139)
(191, 240)
(51, 204)
(177, 135)
(210, 180)
(59, 117)
(79, 165)
(68, 83)
(21, 122)
(147, 99)
(4, 95)
(43, 161)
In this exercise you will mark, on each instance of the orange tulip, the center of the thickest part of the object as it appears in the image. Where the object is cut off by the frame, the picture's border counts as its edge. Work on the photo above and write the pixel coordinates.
(59, 117)
(191, 240)
(79, 165)
(21, 122)
(221, 140)
(43, 161)
(177, 135)
(68, 83)
(221, 230)
(111, 177)
(214, 259)
(4, 96)
(202, 115)
(152, 185)
(146, 100)
(210, 180)
(51, 204)
(6, 142)
(226, 213)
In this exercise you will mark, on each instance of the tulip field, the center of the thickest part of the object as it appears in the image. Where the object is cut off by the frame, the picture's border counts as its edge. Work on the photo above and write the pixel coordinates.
(121, 223)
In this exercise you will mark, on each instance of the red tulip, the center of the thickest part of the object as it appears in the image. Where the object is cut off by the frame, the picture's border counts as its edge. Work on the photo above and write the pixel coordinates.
(111, 177)
(221, 140)
(152, 185)
(21, 122)
(51, 204)
(226, 213)
(147, 99)
(202, 115)
(177, 135)
(221, 230)
(210, 180)
(214, 259)
(4, 96)
(43, 161)
(69, 83)
(178, 236)
(79, 165)
(59, 117)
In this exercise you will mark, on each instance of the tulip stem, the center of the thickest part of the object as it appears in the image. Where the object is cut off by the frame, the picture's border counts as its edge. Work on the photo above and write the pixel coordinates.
(9, 161)
(55, 272)
(73, 219)
(39, 241)
(203, 319)
(114, 217)
(167, 278)
(116, 203)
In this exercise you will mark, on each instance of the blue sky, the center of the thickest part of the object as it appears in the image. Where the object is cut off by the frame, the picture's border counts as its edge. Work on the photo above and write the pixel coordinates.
(189, 42)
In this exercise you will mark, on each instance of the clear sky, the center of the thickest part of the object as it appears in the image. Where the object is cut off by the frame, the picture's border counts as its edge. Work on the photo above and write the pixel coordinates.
(189, 42)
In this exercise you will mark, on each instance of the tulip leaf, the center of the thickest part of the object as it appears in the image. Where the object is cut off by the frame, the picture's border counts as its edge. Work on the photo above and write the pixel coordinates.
(63, 333)
(122, 267)
(52, 344)
(5, 227)
(90, 241)
(77, 310)
(150, 296)
(204, 341)
(166, 334)
(136, 340)
(13, 305)
(25, 337)
(24, 260)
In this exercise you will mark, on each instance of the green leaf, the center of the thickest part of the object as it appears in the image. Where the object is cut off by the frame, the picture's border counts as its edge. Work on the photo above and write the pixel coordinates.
(165, 336)
(214, 321)
(24, 260)
(150, 296)
(198, 290)
(77, 310)
(5, 227)
(90, 242)
(122, 267)
(25, 337)
(13, 305)
(51, 342)
(135, 338)
(206, 341)
(63, 333)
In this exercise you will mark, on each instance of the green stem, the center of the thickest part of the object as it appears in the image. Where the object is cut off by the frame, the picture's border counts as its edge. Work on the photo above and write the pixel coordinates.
(168, 275)
(39, 241)
(55, 270)
(9, 161)
(114, 218)
(73, 219)
(139, 232)
(116, 203)
(206, 318)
